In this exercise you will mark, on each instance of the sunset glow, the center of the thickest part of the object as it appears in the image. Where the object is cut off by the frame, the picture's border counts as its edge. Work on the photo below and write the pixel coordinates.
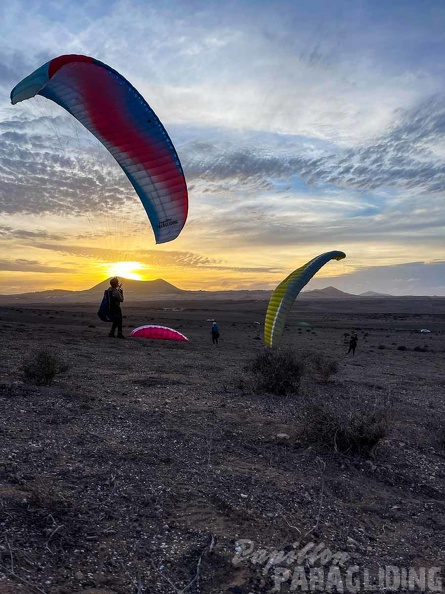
(301, 128)
(126, 270)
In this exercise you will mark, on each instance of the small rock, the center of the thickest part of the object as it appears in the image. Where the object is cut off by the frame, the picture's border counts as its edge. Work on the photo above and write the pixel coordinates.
(109, 531)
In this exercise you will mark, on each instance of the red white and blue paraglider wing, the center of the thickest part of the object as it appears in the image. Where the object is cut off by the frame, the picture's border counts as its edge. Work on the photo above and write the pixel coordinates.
(158, 332)
(113, 110)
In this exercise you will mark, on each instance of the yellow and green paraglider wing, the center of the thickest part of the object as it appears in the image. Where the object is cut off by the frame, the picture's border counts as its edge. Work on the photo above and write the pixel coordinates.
(285, 294)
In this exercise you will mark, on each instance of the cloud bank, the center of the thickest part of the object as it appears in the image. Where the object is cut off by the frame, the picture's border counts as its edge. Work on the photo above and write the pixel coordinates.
(301, 127)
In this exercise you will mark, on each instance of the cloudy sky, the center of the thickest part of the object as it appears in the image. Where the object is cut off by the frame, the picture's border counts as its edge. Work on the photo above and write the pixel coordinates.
(302, 127)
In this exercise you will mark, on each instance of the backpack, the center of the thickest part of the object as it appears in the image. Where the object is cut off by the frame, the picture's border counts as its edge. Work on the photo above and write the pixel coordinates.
(104, 311)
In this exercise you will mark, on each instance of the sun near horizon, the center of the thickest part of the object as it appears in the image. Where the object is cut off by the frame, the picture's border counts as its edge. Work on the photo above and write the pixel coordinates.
(128, 270)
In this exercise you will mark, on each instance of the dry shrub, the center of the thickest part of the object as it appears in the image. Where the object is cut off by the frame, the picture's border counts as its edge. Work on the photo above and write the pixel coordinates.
(277, 372)
(358, 431)
(420, 349)
(323, 367)
(42, 367)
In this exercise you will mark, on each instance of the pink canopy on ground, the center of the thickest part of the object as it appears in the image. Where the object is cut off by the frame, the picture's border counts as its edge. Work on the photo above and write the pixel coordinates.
(158, 332)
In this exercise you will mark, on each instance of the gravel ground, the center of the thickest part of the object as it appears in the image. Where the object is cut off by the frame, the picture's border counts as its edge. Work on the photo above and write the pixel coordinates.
(139, 468)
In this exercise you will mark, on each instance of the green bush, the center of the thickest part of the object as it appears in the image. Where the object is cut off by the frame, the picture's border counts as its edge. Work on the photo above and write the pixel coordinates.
(278, 372)
(42, 367)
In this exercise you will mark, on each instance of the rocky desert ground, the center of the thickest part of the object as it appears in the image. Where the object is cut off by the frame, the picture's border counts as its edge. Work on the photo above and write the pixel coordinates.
(155, 466)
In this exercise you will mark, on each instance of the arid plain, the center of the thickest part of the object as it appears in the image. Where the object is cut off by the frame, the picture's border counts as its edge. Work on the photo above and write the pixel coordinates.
(139, 468)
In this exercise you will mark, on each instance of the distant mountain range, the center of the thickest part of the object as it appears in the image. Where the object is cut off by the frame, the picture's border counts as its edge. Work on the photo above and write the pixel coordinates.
(133, 287)
(137, 291)
(326, 293)
(374, 294)
(133, 290)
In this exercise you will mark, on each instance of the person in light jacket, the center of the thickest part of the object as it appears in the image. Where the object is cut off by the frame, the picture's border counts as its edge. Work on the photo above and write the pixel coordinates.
(215, 333)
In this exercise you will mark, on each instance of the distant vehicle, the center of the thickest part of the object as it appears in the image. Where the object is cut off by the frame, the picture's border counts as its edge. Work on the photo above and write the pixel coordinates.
(425, 331)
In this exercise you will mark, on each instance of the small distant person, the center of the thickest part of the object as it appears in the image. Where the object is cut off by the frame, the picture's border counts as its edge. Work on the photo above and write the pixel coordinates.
(215, 333)
(353, 343)
(116, 297)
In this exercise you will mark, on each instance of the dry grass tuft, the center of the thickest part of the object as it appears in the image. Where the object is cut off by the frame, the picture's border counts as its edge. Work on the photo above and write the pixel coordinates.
(322, 366)
(357, 431)
(277, 372)
(42, 367)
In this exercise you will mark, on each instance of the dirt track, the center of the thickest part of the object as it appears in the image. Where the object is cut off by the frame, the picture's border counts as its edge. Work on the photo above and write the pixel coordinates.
(139, 468)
